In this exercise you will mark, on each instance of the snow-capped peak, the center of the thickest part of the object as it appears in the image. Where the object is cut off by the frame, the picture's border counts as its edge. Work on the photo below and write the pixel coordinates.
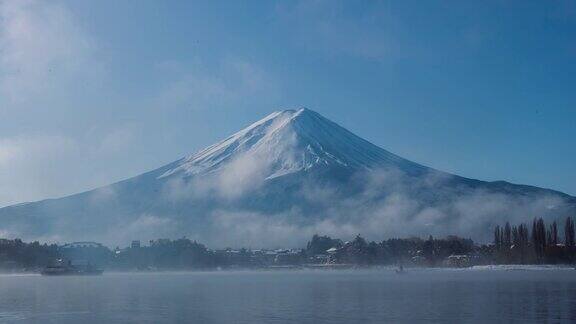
(289, 141)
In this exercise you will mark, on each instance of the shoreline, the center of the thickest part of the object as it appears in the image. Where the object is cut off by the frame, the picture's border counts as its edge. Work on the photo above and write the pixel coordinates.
(327, 268)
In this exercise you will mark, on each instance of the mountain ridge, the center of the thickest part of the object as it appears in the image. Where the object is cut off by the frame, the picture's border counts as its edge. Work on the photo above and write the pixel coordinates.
(293, 170)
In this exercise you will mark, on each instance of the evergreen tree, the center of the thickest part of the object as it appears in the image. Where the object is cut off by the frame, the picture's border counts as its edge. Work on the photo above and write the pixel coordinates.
(534, 234)
(569, 232)
(515, 236)
(497, 240)
(507, 236)
(539, 237)
(554, 233)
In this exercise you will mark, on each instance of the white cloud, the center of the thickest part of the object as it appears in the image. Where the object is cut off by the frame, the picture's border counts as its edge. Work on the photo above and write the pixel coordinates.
(39, 166)
(26, 163)
(243, 175)
(145, 227)
(52, 81)
(401, 212)
(44, 53)
(115, 140)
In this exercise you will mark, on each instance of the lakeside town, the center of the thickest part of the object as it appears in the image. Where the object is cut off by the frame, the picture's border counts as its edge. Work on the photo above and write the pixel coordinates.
(541, 244)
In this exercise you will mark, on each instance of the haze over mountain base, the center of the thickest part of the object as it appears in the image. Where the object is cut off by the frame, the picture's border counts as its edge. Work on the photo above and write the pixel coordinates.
(277, 182)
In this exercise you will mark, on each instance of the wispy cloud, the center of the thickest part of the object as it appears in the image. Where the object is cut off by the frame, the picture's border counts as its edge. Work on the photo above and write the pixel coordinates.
(198, 86)
(25, 163)
(38, 166)
(44, 52)
(385, 203)
(112, 140)
(52, 66)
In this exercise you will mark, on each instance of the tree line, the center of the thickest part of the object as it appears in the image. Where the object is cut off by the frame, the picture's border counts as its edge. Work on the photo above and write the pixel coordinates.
(540, 244)
(535, 243)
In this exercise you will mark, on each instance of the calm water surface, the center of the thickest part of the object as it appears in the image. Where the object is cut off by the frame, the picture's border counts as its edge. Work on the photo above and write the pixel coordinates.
(367, 296)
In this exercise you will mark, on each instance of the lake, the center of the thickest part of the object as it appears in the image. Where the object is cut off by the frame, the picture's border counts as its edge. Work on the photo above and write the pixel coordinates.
(302, 296)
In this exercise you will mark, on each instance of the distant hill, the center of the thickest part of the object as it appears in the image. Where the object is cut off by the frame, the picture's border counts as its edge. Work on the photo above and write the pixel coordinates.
(278, 181)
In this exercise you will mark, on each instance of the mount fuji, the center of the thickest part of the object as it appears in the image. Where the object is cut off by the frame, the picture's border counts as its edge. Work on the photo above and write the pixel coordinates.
(278, 181)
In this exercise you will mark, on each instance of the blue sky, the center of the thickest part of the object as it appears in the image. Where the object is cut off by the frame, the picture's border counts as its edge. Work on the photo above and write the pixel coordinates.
(93, 92)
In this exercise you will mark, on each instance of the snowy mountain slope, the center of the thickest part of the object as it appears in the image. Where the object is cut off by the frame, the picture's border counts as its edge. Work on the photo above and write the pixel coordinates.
(280, 179)
(292, 141)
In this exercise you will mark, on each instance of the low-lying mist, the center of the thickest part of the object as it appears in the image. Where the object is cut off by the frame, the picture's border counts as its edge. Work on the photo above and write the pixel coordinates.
(258, 202)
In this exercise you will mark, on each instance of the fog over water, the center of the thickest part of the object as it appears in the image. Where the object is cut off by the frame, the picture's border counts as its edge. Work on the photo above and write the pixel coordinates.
(528, 295)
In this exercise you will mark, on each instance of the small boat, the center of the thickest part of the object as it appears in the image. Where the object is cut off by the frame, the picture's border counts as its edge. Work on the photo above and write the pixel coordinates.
(61, 268)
